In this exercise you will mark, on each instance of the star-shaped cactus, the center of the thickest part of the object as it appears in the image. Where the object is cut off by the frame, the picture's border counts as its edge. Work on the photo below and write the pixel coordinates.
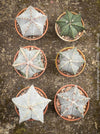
(31, 105)
(70, 24)
(72, 102)
(31, 22)
(70, 61)
(29, 62)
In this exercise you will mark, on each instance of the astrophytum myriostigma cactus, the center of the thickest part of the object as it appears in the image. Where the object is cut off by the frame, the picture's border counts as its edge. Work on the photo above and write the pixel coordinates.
(29, 62)
(72, 102)
(70, 24)
(71, 61)
(31, 22)
(31, 105)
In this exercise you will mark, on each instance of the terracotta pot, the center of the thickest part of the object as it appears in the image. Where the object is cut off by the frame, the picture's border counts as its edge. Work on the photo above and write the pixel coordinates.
(67, 75)
(40, 91)
(56, 28)
(34, 77)
(34, 38)
(56, 103)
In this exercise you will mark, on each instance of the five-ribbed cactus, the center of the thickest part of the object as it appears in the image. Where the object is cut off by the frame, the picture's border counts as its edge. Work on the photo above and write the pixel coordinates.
(31, 22)
(72, 102)
(70, 24)
(70, 61)
(31, 105)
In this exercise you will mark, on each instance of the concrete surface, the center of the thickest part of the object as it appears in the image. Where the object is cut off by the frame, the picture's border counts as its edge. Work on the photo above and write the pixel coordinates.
(51, 80)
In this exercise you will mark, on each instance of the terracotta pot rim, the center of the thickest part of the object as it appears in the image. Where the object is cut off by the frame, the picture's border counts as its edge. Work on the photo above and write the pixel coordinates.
(27, 37)
(66, 75)
(56, 28)
(36, 89)
(34, 77)
(65, 118)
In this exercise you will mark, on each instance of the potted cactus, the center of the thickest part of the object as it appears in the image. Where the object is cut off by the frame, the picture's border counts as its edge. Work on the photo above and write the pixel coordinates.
(71, 102)
(31, 23)
(31, 103)
(30, 62)
(69, 26)
(70, 62)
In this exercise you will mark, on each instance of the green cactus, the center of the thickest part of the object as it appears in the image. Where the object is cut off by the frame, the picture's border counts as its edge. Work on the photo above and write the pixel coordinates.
(70, 24)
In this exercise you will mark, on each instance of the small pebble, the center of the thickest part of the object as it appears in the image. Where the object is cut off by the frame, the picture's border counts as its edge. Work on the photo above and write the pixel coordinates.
(69, 117)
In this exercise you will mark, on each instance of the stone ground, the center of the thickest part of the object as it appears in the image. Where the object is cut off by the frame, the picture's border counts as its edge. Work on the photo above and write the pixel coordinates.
(51, 80)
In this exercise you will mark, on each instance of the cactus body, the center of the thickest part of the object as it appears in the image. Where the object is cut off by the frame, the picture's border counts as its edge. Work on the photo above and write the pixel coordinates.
(70, 24)
(31, 22)
(71, 61)
(72, 102)
(29, 62)
(31, 105)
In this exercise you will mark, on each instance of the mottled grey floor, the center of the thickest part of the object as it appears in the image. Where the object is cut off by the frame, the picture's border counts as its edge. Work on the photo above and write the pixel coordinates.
(51, 80)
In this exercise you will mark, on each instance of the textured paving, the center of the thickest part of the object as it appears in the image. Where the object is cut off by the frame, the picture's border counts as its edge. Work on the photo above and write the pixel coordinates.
(51, 80)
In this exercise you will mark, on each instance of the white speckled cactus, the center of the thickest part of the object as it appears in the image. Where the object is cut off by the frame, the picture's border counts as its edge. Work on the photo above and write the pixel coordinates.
(31, 105)
(72, 102)
(29, 62)
(70, 61)
(31, 22)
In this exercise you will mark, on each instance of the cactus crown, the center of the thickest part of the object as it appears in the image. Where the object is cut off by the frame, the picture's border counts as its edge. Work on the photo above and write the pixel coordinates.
(70, 61)
(70, 24)
(72, 102)
(31, 22)
(29, 62)
(31, 105)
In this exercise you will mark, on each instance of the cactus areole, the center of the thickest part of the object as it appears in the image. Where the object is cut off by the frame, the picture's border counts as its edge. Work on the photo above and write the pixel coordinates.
(72, 102)
(70, 25)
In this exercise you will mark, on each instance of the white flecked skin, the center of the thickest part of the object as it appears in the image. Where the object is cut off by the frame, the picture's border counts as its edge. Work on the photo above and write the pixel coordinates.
(72, 102)
(31, 22)
(71, 61)
(31, 105)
